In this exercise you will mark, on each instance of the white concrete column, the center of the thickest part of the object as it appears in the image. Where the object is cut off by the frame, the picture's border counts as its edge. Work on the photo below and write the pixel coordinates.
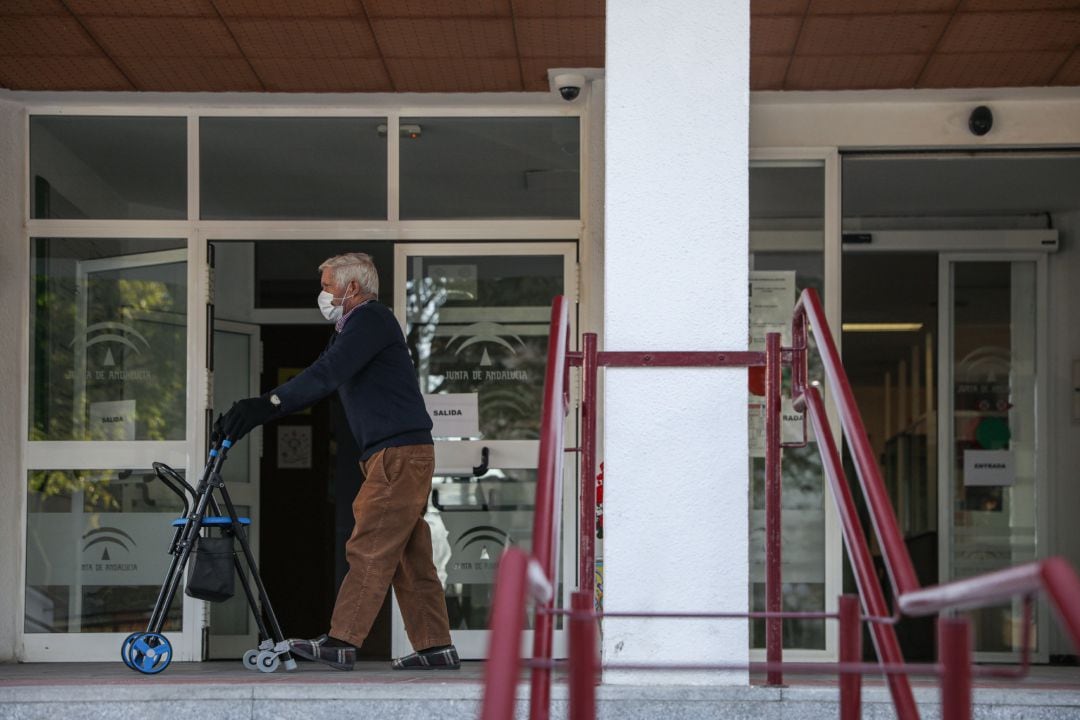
(14, 282)
(675, 267)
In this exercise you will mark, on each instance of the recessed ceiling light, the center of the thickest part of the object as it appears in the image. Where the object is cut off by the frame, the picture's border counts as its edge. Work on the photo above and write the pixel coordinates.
(881, 327)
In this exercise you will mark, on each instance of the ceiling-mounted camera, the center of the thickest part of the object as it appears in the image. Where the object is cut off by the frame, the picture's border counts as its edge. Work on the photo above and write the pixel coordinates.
(980, 121)
(569, 85)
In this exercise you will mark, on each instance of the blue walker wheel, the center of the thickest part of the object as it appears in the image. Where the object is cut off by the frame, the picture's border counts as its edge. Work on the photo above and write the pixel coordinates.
(125, 647)
(150, 653)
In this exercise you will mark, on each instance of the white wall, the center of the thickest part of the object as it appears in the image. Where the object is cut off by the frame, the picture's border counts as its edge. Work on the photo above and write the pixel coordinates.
(13, 308)
(675, 273)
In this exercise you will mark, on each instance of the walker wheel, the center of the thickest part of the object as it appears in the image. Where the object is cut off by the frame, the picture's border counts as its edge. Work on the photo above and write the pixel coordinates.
(125, 648)
(268, 661)
(251, 660)
(150, 653)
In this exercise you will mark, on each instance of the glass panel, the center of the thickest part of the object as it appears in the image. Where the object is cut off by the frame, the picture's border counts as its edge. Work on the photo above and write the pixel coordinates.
(890, 341)
(787, 224)
(292, 168)
(109, 339)
(472, 521)
(95, 550)
(490, 167)
(287, 273)
(108, 168)
(993, 487)
(232, 382)
(478, 326)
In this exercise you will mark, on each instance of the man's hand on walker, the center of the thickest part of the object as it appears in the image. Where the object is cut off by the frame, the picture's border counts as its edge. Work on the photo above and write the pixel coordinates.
(244, 416)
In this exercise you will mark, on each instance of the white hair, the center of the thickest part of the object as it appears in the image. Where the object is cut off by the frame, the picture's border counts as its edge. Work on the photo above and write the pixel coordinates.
(356, 266)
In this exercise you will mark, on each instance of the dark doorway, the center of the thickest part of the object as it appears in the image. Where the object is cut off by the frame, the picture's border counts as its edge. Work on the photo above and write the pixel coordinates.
(307, 512)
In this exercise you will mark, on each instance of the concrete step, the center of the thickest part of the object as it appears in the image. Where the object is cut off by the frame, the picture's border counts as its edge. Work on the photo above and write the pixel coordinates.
(208, 691)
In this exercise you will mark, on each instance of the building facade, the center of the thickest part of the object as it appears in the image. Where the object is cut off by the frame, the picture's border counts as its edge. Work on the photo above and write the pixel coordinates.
(159, 262)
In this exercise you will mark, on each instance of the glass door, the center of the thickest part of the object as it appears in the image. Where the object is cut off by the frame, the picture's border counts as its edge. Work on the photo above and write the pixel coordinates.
(993, 407)
(236, 376)
(108, 377)
(476, 318)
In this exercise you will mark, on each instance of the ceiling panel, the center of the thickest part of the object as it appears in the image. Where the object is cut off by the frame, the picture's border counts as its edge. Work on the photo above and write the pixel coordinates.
(442, 8)
(61, 72)
(149, 8)
(773, 34)
(291, 74)
(32, 7)
(767, 72)
(44, 37)
(190, 74)
(879, 7)
(1069, 74)
(162, 37)
(450, 38)
(870, 34)
(997, 32)
(1007, 69)
(991, 5)
(305, 38)
(537, 37)
(558, 8)
(455, 74)
(778, 7)
(289, 8)
(853, 72)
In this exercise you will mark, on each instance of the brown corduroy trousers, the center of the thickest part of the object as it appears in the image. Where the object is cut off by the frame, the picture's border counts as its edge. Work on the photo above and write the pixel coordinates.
(391, 543)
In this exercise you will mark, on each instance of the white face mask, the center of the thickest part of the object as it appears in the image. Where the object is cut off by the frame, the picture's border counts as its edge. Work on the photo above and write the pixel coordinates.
(329, 310)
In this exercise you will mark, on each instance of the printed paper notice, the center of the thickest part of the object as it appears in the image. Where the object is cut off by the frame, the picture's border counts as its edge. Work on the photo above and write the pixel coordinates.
(454, 414)
(294, 447)
(984, 468)
(791, 426)
(772, 301)
(112, 420)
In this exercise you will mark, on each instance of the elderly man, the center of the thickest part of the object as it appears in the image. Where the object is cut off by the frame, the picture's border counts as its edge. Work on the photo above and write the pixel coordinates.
(368, 363)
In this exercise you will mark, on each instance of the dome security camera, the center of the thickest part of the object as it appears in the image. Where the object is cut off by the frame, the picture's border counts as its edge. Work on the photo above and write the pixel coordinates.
(569, 85)
(980, 121)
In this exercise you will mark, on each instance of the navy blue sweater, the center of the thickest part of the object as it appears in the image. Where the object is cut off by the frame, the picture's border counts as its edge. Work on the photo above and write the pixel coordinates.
(368, 364)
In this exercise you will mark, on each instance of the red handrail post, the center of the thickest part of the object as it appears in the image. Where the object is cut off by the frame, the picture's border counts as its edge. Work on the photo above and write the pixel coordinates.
(504, 646)
(583, 661)
(774, 640)
(883, 635)
(954, 656)
(850, 652)
(547, 517)
(587, 551)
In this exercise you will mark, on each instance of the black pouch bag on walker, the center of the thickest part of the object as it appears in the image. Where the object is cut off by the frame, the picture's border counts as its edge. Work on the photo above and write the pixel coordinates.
(213, 574)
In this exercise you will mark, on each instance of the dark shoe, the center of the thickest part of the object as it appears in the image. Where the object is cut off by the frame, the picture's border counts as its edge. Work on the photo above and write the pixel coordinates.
(341, 658)
(444, 659)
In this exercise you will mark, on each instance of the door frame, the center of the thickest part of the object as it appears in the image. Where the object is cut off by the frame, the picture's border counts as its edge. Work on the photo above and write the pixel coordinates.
(247, 494)
(1042, 426)
(460, 456)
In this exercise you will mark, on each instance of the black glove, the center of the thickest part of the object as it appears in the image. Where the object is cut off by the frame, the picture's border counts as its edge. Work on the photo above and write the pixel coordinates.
(217, 433)
(244, 416)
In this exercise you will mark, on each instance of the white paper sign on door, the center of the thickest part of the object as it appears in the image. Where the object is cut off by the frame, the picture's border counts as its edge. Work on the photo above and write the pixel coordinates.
(989, 468)
(454, 414)
(791, 426)
(112, 420)
(772, 302)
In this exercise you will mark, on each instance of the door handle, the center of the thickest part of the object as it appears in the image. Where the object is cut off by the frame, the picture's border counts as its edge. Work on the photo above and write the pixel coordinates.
(482, 468)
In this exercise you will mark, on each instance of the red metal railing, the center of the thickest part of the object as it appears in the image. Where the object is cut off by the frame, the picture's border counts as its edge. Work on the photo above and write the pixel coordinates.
(521, 576)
